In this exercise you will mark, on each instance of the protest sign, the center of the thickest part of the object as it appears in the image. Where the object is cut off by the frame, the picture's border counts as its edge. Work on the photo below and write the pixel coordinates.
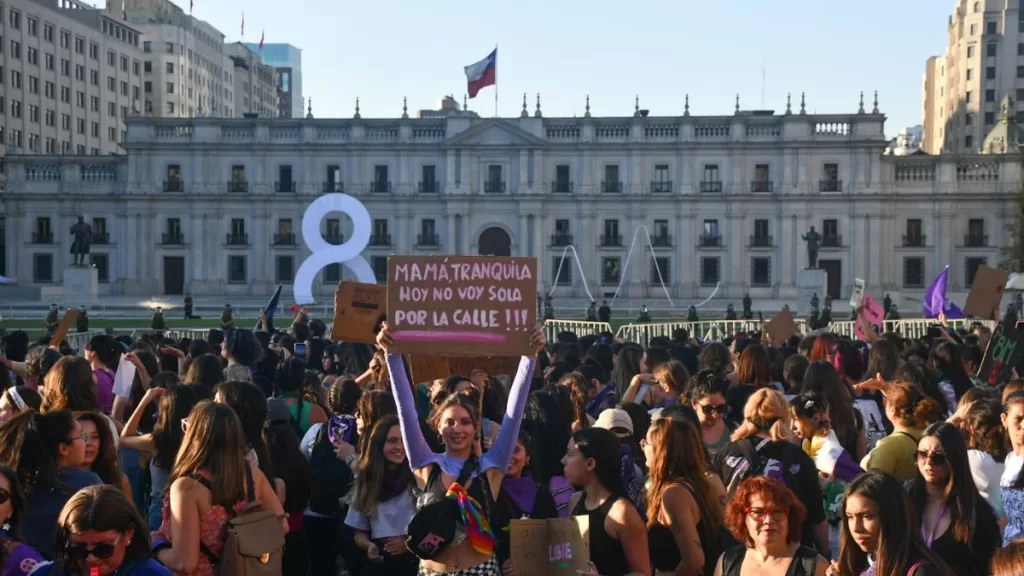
(431, 367)
(857, 294)
(986, 293)
(1002, 354)
(357, 309)
(65, 325)
(781, 327)
(462, 305)
(555, 547)
(874, 313)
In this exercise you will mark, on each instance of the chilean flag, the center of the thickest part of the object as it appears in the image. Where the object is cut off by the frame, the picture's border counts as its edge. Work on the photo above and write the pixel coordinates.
(483, 73)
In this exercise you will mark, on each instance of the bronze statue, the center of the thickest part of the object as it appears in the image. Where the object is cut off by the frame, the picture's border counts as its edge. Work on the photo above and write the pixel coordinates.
(82, 233)
(812, 239)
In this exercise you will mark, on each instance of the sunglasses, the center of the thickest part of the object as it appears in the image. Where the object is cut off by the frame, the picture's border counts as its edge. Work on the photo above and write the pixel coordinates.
(81, 552)
(937, 458)
(709, 410)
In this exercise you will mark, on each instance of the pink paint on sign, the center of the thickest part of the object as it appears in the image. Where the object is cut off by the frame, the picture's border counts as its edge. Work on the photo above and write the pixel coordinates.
(427, 336)
(874, 314)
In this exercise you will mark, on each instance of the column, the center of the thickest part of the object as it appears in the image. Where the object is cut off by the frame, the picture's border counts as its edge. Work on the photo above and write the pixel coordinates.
(523, 239)
(449, 173)
(523, 179)
(688, 266)
(449, 225)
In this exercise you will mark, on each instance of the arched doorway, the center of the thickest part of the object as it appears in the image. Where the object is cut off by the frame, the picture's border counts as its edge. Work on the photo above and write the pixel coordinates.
(494, 242)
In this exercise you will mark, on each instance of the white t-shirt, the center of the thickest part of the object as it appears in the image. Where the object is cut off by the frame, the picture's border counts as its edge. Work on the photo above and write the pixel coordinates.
(987, 474)
(1013, 500)
(391, 520)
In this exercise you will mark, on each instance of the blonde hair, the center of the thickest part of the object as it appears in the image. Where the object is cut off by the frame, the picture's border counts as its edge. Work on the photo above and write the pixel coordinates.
(766, 411)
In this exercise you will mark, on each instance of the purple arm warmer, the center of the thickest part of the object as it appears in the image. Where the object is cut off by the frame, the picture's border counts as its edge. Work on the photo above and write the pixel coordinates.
(416, 447)
(502, 447)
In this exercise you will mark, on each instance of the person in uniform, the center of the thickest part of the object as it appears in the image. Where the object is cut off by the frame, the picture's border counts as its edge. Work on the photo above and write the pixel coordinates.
(82, 322)
(592, 312)
(188, 307)
(158, 322)
(52, 319)
(604, 313)
(730, 312)
(645, 317)
(227, 318)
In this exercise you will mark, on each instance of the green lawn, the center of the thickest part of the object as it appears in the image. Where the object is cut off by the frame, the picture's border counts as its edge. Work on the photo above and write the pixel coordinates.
(130, 323)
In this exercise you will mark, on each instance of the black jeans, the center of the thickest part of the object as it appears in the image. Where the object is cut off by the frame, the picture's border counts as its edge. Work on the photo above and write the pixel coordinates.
(322, 545)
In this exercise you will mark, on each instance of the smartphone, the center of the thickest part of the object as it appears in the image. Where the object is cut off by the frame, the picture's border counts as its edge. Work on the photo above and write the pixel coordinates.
(300, 349)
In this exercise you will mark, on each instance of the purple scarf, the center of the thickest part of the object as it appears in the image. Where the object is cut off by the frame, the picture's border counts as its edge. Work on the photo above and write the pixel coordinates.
(395, 482)
(522, 491)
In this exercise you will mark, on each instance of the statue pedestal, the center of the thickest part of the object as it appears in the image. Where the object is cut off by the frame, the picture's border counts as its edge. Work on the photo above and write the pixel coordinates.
(809, 282)
(81, 286)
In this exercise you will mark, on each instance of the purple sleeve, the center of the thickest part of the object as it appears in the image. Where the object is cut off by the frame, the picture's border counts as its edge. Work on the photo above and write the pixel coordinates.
(416, 447)
(22, 560)
(502, 447)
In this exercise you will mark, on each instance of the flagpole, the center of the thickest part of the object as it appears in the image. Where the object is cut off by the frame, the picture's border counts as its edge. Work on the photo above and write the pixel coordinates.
(495, 79)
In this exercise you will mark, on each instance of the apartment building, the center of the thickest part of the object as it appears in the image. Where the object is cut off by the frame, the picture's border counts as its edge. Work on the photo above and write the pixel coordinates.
(254, 82)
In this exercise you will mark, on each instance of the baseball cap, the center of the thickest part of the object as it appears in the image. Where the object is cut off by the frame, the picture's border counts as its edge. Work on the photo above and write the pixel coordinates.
(277, 410)
(615, 419)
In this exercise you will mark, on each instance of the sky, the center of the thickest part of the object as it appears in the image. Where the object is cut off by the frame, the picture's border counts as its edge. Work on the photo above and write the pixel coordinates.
(381, 51)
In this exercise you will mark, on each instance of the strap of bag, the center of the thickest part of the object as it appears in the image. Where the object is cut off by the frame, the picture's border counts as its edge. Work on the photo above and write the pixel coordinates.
(751, 453)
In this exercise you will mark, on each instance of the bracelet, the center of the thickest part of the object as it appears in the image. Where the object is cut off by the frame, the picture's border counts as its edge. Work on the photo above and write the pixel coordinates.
(349, 459)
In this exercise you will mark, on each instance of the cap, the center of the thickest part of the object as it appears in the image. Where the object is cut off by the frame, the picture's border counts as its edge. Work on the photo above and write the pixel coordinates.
(277, 410)
(614, 418)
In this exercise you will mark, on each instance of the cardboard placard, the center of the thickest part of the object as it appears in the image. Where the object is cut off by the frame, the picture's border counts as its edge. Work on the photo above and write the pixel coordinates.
(874, 313)
(462, 305)
(1003, 352)
(357, 307)
(65, 325)
(428, 367)
(555, 547)
(781, 327)
(857, 294)
(986, 293)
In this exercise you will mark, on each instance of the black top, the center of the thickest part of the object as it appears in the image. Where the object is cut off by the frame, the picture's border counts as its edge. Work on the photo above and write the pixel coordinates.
(505, 510)
(436, 487)
(805, 561)
(736, 398)
(665, 554)
(605, 552)
(964, 558)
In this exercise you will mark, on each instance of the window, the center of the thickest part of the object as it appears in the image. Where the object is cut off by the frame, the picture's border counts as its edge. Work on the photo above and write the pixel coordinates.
(102, 265)
(15, 79)
(561, 271)
(970, 51)
(124, 63)
(562, 174)
(562, 227)
(611, 270)
(428, 228)
(969, 95)
(761, 271)
(147, 46)
(42, 268)
(331, 274)
(284, 175)
(237, 269)
(660, 230)
(15, 20)
(33, 26)
(79, 45)
(913, 272)
(494, 183)
(380, 179)
(380, 268)
(830, 229)
(990, 95)
(94, 51)
(94, 129)
(990, 28)
(170, 88)
(238, 227)
(332, 230)
(660, 264)
(50, 117)
(136, 67)
(971, 266)
(761, 229)
(94, 77)
(170, 107)
(611, 179)
(111, 109)
(990, 73)
(285, 268)
(974, 29)
(968, 119)
(174, 174)
(428, 175)
(65, 39)
(611, 233)
(712, 181)
(709, 271)
(169, 47)
(147, 66)
(48, 61)
(970, 73)
(147, 86)
(990, 118)
(48, 33)
(661, 182)
(711, 228)
(968, 141)
(914, 232)
(170, 67)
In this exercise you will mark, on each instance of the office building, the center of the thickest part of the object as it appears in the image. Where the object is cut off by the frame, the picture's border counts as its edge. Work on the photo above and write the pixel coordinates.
(287, 60)
(255, 90)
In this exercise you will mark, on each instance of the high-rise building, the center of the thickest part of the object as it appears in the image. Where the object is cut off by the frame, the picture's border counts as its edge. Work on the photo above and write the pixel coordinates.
(962, 88)
(287, 60)
(71, 76)
(255, 84)
(186, 71)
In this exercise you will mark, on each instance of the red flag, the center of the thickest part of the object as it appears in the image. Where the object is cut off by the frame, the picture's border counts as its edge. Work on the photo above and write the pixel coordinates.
(243, 24)
(191, 4)
(262, 34)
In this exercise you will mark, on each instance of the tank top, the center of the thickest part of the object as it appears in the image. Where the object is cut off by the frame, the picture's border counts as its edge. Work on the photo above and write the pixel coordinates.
(476, 487)
(664, 550)
(605, 552)
(300, 410)
(805, 561)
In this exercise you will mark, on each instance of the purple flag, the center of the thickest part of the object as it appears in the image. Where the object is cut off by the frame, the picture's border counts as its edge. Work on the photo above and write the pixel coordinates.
(935, 300)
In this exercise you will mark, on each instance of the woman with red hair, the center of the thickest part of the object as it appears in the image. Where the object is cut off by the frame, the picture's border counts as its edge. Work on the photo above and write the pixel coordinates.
(767, 518)
(824, 348)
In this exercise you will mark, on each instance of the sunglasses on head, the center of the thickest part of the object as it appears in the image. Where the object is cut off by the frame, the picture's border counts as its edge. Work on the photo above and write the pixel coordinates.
(937, 458)
(708, 410)
(81, 552)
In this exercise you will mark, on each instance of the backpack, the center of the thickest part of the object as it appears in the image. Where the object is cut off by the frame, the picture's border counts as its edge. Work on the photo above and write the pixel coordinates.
(254, 542)
(329, 477)
(756, 465)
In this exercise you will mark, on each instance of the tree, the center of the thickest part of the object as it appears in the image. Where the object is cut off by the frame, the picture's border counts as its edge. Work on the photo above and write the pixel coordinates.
(1013, 251)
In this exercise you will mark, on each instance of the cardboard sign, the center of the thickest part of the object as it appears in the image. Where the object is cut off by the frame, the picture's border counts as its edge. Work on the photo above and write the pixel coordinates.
(462, 305)
(1003, 352)
(781, 327)
(874, 313)
(857, 294)
(64, 326)
(357, 308)
(986, 293)
(429, 367)
(555, 547)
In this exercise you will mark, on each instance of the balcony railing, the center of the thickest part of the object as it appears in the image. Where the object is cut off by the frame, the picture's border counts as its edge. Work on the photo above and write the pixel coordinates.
(42, 237)
(427, 240)
(335, 238)
(101, 238)
(611, 186)
(429, 187)
(327, 186)
(762, 186)
(711, 186)
(284, 239)
(832, 241)
(976, 240)
(238, 186)
(380, 186)
(237, 239)
(380, 240)
(709, 241)
(284, 186)
(494, 186)
(661, 240)
(661, 186)
(172, 239)
(914, 240)
(830, 186)
(561, 187)
(561, 240)
(174, 186)
(761, 241)
(611, 240)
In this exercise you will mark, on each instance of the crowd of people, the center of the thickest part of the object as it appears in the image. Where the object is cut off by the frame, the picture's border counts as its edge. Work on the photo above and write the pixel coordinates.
(283, 452)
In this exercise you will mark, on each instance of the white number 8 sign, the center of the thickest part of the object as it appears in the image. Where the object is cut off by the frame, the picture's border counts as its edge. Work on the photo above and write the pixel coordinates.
(348, 253)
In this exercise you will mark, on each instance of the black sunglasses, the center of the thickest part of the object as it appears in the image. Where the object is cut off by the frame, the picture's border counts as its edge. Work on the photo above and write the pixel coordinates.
(80, 552)
(709, 410)
(937, 458)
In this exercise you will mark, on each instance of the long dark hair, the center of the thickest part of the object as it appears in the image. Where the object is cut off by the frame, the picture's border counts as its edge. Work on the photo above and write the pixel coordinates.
(100, 508)
(249, 403)
(289, 463)
(946, 360)
(69, 386)
(29, 443)
(823, 379)
(108, 462)
(214, 443)
(961, 494)
(373, 468)
(899, 538)
(175, 404)
(17, 503)
(603, 446)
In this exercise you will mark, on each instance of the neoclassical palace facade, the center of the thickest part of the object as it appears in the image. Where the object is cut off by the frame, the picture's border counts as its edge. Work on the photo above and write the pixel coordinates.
(213, 206)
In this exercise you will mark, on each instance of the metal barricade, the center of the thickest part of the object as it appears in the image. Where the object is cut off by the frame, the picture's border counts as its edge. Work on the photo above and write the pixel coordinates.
(78, 340)
(581, 328)
(705, 330)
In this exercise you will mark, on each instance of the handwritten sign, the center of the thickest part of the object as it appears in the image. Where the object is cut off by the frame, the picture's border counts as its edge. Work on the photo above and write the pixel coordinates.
(857, 294)
(431, 367)
(874, 313)
(64, 326)
(555, 547)
(462, 305)
(1004, 350)
(357, 308)
(986, 293)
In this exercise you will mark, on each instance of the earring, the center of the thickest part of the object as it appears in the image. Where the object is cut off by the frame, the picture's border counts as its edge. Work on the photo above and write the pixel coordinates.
(6, 526)
(440, 439)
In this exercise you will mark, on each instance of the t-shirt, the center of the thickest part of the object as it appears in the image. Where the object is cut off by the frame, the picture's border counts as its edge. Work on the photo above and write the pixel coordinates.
(21, 560)
(895, 454)
(43, 506)
(391, 520)
(987, 473)
(1013, 500)
(147, 567)
(105, 389)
